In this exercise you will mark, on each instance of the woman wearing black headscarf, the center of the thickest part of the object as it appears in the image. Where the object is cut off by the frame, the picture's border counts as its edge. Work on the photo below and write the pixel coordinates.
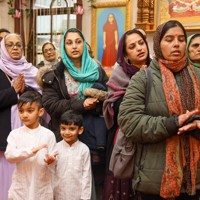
(133, 54)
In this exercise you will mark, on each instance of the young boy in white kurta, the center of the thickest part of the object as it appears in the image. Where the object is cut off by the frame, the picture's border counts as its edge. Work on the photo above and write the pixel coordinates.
(73, 170)
(31, 147)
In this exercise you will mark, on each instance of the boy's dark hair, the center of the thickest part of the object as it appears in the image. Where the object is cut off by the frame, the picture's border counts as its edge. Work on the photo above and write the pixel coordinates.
(70, 117)
(30, 97)
(4, 30)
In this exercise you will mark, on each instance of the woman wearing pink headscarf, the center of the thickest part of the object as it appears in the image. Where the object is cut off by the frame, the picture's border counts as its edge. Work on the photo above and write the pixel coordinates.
(16, 77)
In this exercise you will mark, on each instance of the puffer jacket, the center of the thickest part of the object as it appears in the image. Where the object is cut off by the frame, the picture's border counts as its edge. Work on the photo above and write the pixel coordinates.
(148, 128)
(56, 99)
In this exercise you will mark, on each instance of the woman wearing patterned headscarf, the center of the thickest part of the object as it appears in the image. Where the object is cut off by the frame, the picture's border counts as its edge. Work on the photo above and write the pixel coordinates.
(63, 90)
(166, 132)
(16, 77)
(133, 54)
(193, 49)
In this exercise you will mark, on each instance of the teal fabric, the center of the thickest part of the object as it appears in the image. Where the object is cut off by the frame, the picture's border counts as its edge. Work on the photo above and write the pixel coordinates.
(89, 68)
(187, 51)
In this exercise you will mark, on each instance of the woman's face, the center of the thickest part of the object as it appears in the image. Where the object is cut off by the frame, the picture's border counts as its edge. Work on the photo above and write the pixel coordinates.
(14, 46)
(173, 44)
(136, 50)
(74, 45)
(194, 50)
(110, 18)
(49, 52)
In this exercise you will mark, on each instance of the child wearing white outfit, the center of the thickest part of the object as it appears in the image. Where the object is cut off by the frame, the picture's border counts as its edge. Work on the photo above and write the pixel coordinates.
(73, 170)
(31, 147)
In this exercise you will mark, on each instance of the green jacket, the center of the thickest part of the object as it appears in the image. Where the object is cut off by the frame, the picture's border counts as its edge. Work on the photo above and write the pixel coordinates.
(148, 128)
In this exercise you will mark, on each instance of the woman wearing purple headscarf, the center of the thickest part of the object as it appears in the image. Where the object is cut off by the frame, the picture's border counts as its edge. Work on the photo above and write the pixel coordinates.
(16, 77)
(133, 54)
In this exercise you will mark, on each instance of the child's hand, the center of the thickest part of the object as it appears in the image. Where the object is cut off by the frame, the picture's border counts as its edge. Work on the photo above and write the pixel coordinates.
(36, 149)
(50, 158)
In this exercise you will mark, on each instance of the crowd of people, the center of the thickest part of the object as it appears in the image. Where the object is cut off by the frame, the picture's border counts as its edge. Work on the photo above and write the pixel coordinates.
(84, 109)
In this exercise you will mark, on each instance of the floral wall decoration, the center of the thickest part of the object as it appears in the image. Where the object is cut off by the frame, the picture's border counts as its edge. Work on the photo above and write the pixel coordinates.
(16, 13)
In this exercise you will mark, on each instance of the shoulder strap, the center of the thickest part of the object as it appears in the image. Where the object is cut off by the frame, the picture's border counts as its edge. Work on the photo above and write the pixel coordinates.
(147, 94)
(148, 85)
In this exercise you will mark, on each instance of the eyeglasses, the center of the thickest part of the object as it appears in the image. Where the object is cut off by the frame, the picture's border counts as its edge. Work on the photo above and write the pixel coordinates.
(48, 50)
(12, 46)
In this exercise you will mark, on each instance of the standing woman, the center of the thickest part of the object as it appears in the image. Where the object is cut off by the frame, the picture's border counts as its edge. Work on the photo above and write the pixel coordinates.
(16, 76)
(63, 90)
(133, 54)
(167, 143)
(110, 41)
(193, 49)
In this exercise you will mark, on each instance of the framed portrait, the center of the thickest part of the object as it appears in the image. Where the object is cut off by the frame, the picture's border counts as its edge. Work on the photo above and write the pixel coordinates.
(109, 21)
(185, 11)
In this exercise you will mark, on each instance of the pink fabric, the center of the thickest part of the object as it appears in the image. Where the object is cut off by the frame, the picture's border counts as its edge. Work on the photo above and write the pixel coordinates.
(6, 171)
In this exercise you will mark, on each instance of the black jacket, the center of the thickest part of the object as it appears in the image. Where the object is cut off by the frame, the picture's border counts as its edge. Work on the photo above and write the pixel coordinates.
(8, 97)
(56, 99)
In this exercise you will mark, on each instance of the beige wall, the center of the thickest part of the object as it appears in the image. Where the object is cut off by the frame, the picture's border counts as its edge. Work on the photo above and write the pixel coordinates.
(6, 21)
(86, 28)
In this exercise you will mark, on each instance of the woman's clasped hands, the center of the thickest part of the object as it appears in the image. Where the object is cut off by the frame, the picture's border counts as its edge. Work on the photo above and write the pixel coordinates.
(189, 121)
(19, 84)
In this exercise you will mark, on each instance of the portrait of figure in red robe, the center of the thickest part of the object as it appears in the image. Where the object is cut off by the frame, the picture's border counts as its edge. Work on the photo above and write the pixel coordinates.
(110, 41)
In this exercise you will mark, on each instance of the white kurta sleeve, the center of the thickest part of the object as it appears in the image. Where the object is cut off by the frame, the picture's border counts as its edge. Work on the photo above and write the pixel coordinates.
(86, 177)
(52, 149)
(13, 154)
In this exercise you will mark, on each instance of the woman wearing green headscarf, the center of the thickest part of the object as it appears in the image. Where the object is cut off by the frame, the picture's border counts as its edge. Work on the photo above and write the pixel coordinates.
(63, 87)
(193, 49)
(63, 90)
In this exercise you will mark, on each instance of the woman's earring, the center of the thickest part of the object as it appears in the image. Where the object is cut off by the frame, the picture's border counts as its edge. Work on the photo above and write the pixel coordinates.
(127, 60)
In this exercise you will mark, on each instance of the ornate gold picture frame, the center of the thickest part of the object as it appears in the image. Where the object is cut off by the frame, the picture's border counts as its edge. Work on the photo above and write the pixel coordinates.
(188, 13)
(122, 12)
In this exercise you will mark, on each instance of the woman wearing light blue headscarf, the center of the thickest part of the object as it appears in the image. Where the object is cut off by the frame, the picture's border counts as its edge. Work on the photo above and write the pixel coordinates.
(86, 70)
(63, 90)
(63, 87)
